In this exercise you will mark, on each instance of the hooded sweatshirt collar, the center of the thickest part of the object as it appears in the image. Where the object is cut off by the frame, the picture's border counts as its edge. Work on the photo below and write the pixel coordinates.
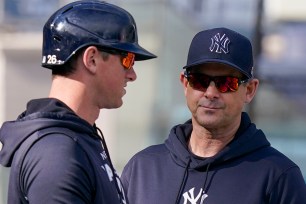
(40, 114)
(248, 138)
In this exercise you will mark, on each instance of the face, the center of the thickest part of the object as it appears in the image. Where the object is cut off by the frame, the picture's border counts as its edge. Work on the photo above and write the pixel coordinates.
(212, 109)
(112, 78)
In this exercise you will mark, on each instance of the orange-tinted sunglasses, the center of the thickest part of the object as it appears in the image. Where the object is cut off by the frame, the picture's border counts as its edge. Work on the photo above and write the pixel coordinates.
(127, 58)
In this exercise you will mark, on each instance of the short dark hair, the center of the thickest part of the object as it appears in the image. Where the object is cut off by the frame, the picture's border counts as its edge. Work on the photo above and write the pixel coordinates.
(70, 66)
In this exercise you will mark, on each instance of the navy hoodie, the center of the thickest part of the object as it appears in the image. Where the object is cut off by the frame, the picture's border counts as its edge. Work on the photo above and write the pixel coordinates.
(57, 157)
(247, 171)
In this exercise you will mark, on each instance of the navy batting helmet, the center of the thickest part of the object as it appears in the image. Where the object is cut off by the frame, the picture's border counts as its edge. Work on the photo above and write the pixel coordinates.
(83, 23)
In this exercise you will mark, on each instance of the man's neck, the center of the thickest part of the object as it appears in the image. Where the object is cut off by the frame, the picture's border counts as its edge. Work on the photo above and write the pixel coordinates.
(206, 146)
(73, 94)
(207, 143)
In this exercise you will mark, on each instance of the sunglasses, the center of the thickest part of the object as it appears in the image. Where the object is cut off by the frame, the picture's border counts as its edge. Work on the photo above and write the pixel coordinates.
(127, 58)
(224, 84)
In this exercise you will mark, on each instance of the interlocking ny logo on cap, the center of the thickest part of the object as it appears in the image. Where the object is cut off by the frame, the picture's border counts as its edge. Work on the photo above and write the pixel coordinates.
(219, 44)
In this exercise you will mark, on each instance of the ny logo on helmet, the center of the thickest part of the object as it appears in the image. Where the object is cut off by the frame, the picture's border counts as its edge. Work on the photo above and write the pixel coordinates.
(219, 44)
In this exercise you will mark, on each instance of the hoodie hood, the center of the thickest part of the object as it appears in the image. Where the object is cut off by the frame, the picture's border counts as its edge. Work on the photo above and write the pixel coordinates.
(248, 139)
(40, 114)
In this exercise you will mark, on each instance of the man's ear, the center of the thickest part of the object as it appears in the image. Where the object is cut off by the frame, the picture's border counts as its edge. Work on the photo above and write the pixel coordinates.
(90, 58)
(183, 79)
(184, 82)
(252, 87)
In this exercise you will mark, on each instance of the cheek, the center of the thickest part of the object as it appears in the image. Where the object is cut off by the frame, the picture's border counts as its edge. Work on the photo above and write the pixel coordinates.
(115, 76)
(234, 103)
(192, 98)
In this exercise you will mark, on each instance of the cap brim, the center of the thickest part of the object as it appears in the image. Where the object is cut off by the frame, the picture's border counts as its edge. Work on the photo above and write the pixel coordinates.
(217, 61)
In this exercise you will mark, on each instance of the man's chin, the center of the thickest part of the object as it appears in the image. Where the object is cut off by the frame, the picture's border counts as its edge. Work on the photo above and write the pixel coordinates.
(117, 105)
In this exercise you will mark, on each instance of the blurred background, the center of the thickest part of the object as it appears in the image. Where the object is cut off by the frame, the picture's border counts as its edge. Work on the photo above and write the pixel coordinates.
(155, 101)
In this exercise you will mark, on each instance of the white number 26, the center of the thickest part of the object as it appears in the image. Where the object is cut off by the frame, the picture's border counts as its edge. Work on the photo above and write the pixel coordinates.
(51, 59)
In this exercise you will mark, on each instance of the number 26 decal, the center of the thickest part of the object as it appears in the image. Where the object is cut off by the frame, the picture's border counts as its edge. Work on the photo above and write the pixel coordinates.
(51, 59)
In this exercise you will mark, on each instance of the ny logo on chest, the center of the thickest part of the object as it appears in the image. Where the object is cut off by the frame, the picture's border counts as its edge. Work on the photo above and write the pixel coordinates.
(191, 198)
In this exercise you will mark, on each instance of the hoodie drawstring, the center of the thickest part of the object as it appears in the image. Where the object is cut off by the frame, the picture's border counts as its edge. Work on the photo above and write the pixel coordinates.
(111, 164)
(178, 197)
(204, 185)
(184, 182)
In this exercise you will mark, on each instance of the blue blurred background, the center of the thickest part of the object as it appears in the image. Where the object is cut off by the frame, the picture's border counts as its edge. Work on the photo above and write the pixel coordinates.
(155, 101)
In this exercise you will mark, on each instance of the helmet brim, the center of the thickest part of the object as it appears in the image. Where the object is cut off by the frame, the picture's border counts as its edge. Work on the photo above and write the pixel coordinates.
(140, 53)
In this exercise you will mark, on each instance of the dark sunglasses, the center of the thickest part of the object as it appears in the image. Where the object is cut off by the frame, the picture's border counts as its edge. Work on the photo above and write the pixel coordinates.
(224, 84)
(127, 58)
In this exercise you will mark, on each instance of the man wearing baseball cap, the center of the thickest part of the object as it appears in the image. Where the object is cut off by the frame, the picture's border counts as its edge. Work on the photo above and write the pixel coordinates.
(219, 155)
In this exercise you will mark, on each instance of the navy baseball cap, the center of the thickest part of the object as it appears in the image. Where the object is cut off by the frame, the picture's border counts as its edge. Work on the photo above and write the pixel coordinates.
(221, 45)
